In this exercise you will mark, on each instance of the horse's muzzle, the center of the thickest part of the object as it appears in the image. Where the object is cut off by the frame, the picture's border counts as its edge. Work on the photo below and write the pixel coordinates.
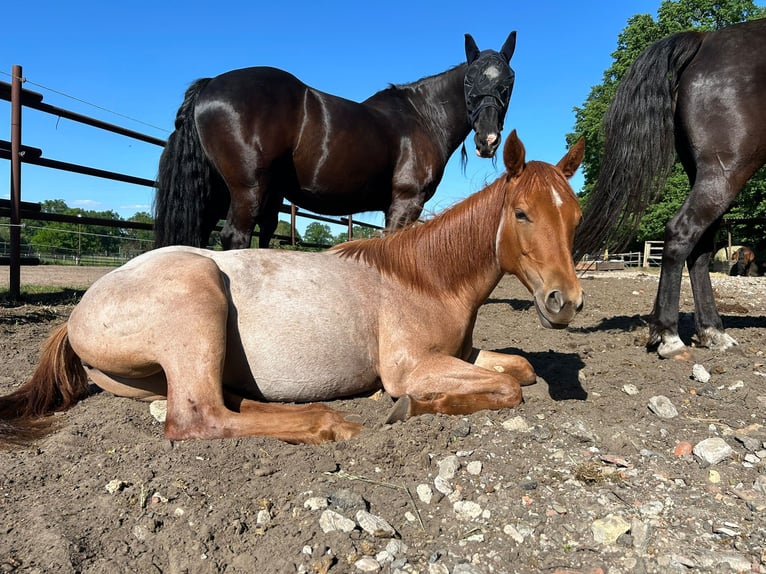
(486, 146)
(556, 312)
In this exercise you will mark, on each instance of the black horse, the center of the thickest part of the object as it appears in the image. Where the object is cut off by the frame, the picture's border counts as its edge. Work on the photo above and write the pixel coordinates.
(700, 94)
(249, 138)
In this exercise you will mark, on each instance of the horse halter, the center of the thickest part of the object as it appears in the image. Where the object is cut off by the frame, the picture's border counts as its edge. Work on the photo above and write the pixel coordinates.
(488, 84)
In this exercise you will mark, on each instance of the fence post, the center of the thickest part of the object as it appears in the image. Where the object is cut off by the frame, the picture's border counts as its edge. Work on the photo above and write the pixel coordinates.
(15, 231)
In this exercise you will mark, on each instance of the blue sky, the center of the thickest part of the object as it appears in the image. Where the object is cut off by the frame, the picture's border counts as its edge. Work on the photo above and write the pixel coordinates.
(136, 58)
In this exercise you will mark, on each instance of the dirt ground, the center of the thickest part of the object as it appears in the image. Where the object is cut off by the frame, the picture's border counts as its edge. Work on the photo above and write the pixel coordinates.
(582, 477)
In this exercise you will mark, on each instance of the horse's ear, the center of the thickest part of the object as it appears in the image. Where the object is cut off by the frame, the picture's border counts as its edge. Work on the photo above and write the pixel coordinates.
(509, 47)
(513, 155)
(572, 160)
(471, 49)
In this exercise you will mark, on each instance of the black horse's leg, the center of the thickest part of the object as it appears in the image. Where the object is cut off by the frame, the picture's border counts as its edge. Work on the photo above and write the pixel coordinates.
(709, 198)
(707, 321)
(246, 207)
(268, 219)
(404, 209)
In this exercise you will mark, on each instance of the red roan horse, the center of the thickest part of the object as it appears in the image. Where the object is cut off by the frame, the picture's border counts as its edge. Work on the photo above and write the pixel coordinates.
(228, 336)
(247, 139)
(700, 94)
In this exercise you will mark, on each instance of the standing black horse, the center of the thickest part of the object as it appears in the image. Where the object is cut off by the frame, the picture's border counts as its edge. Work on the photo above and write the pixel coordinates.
(700, 94)
(249, 138)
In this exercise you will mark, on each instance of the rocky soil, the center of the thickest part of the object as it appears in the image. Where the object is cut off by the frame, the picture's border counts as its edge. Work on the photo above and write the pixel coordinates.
(616, 462)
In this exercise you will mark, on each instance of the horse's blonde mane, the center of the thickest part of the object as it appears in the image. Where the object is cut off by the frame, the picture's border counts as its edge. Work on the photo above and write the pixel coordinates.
(442, 254)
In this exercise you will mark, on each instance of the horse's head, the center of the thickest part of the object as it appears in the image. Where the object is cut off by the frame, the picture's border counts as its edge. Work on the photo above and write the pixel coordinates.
(536, 235)
(488, 86)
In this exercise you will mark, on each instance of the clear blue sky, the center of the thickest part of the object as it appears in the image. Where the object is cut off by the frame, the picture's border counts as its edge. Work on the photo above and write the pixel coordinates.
(136, 58)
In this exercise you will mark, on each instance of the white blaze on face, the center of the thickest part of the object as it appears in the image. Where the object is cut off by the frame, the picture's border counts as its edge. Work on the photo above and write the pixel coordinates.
(492, 72)
(557, 201)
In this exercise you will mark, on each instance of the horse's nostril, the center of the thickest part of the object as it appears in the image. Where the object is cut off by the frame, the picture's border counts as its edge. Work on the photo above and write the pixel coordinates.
(491, 138)
(555, 301)
(582, 303)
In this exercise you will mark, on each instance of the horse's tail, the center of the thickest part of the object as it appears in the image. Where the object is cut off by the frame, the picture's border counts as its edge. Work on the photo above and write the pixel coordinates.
(185, 181)
(639, 143)
(59, 381)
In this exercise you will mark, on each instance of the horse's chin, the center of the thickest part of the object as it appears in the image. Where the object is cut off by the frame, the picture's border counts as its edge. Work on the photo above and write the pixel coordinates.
(546, 322)
(487, 153)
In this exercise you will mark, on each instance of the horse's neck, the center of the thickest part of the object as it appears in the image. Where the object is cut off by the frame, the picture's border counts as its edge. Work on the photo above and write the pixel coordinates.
(440, 101)
(437, 102)
(451, 255)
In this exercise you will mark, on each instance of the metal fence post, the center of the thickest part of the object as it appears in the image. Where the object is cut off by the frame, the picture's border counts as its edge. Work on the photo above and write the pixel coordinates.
(15, 255)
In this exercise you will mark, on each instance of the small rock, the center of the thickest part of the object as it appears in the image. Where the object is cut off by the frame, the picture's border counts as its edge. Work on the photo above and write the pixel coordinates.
(375, 525)
(345, 499)
(448, 467)
(474, 467)
(513, 532)
(367, 564)
(683, 448)
(608, 529)
(443, 485)
(714, 477)
(425, 494)
(750, 443)
(713, 450)
(331, 521)
(760, 484)
(517, 424)
(316, 503)
(115, 486)
(699, 373)
(159, 410)
(661, 406)
(630, 389)
(467, 510)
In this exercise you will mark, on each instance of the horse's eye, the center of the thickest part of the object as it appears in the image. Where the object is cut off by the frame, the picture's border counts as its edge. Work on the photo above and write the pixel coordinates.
(521, 216)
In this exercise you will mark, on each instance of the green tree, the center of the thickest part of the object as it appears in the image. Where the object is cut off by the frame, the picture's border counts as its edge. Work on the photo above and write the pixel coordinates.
(318, 233)
(641, 31)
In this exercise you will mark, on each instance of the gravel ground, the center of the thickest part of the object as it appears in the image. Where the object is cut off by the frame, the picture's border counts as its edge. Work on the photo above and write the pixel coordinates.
(617, 461)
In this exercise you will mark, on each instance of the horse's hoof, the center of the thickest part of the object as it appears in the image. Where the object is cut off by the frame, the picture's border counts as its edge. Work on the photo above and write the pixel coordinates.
(400, 411)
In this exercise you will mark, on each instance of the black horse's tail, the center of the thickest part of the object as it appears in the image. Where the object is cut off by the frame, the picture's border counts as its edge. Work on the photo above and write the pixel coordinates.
(185, 183)
(639, 144)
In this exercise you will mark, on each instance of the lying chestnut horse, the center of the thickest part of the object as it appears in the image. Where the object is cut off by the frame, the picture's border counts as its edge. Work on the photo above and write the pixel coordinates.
(230, 336)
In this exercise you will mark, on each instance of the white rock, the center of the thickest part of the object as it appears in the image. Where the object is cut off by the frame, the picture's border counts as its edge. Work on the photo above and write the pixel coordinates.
(608, 529)
(316, 503)
(448, 467)
(630, 389)
(443, 485)
(330, 521)
(699, 373)
(367, 564)
(517, 424)
(159, 410)
(662, 407)
(474, 467)
(467, 510)
(713, 450)
(374, 525)
(425, 494)
(115, 486)
(511, 531)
